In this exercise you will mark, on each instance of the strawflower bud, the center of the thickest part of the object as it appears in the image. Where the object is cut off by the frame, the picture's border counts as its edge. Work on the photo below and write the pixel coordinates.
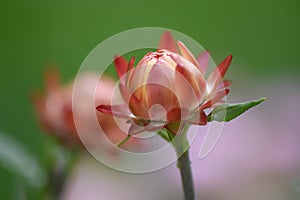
(167, 87)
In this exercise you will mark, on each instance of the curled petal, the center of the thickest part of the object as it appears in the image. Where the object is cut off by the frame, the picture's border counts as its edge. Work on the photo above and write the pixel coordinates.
(196, 82)
(187, 89)
(216, 76)
(167, 42)
(203, 61)
(191, 72)
(121, 110)
(121, 65)
(163, 96)
(185, 52)
(215, 99)
(138, 80)
(174, 115)
(138, 108)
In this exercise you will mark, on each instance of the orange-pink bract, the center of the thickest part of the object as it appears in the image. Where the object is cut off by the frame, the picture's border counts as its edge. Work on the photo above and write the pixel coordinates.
(55, 113)
(167, 87)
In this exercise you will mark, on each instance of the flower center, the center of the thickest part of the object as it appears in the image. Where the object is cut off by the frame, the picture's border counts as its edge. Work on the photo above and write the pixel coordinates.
(158, 55)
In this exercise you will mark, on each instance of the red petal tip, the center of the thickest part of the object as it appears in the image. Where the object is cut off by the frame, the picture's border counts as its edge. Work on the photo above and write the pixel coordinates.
(121, 65)
(106, 109)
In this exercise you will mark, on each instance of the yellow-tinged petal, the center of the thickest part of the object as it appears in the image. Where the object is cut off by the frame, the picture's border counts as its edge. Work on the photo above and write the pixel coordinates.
(185, 52)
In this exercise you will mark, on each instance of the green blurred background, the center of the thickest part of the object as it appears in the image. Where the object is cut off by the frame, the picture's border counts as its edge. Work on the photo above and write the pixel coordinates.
(263, 36)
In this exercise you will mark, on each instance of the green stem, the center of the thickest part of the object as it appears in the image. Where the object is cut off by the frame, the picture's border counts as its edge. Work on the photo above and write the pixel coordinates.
(184, 165)
(123, 141)
(181, 146)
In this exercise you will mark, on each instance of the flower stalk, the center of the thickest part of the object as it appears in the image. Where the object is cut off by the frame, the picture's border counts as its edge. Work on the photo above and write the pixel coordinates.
(184, 166)
(181, 146)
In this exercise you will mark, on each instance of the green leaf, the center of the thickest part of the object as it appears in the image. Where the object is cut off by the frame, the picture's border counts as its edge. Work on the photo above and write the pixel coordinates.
(164, 134)
(227, 112)
(15, 158)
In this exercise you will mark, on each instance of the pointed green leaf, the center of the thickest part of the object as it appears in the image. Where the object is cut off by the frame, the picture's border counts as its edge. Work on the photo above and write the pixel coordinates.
(227, 112)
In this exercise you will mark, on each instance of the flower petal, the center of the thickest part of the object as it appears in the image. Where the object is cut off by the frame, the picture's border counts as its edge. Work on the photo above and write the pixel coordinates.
(52, 80)
(129, 70)
(136, 129)
(120, 110)
(215, 99)
(192, 69)
(161, 87)
(137, 107)
(223, 66)
(167, 42)
(203, 61)
(125, 92)
(187, 89)
(185, 52)
(174, 115)
(224, 84)
(196, 82)
(216, 76)
(121, 65)
(199, 120)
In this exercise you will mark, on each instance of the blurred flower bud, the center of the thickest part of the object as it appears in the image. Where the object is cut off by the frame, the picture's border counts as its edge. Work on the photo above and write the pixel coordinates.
(55, 113)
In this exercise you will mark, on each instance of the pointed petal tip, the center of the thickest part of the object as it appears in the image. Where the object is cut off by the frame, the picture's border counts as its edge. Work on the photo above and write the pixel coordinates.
(106, 109)
(226, 91)
(120, 110)
(229, 58)
(121, 65)
(167, 34)
(186, 53)
(167, 42)
(131, 63)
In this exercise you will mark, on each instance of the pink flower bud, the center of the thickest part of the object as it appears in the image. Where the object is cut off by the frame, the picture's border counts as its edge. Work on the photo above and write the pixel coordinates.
(167, 88)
